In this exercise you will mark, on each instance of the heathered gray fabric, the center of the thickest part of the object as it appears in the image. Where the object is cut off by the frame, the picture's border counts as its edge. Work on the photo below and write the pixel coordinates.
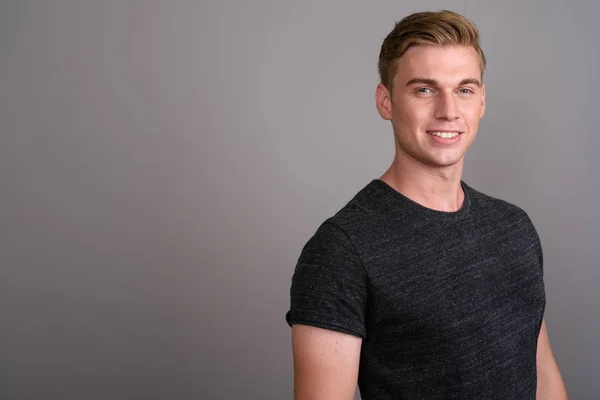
(449, 305)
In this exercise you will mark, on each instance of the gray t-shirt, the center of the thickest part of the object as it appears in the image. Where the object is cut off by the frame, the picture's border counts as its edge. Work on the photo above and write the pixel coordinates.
(449, 304)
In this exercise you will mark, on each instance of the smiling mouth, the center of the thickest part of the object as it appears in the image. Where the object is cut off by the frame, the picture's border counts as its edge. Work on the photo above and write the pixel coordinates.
(444, 135)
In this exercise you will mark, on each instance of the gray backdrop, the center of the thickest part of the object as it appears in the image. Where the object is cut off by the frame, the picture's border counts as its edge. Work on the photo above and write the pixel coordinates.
(162, 164)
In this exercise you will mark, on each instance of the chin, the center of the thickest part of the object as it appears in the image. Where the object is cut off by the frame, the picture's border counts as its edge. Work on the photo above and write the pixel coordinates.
(446, 162)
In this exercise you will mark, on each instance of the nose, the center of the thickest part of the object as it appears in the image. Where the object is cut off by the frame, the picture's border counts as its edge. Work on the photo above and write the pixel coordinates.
(446, 107)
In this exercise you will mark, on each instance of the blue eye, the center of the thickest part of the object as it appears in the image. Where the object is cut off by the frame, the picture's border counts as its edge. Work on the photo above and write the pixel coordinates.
(466, 91)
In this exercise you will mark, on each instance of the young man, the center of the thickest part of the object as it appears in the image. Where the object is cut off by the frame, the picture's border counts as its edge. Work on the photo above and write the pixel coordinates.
(422, 287)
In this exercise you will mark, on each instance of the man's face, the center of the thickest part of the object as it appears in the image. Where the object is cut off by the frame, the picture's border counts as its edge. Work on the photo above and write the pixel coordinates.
(436, 103)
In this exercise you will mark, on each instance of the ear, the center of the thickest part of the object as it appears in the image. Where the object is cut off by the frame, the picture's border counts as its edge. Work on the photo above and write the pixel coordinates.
(482, 100)
(383, 101)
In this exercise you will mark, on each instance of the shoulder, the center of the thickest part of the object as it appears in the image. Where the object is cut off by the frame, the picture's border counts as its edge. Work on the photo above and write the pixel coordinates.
(490, 206)
(364, 209)
(338, 236)
(502, 215)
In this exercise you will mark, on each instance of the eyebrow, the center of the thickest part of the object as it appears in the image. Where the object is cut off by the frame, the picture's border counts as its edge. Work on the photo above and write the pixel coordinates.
(433, 82)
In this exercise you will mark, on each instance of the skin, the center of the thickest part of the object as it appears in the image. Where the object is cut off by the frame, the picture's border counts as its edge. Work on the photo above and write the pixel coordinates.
(550, 384)
(436, 88)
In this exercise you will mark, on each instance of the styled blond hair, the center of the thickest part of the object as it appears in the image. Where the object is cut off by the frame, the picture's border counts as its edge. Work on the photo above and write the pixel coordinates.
(426, 28)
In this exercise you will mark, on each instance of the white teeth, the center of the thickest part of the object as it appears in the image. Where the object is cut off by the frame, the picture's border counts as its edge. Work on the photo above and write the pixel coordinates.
(445, 135)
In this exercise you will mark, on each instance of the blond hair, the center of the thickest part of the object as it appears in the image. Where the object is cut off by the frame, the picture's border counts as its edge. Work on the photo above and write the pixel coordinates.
(426, 28)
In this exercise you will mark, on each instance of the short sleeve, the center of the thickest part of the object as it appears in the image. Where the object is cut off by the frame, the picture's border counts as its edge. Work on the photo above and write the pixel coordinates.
(329, 285)
(540, 252)
(537, 243)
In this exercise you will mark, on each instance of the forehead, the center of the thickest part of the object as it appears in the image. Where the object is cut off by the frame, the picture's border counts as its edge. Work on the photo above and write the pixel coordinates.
(443, 63)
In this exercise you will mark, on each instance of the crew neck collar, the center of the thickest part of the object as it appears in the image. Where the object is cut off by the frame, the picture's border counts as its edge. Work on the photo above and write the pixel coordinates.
(417, 208)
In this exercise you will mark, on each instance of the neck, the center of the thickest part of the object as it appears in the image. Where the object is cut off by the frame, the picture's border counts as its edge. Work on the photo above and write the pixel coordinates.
(435, 188)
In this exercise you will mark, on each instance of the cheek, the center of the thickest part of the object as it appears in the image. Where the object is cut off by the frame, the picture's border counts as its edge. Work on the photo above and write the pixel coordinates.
(413, 115)
(472, 114)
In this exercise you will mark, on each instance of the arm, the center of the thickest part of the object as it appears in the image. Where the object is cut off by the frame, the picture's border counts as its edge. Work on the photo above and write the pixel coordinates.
(550, 385)
(325, 363)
